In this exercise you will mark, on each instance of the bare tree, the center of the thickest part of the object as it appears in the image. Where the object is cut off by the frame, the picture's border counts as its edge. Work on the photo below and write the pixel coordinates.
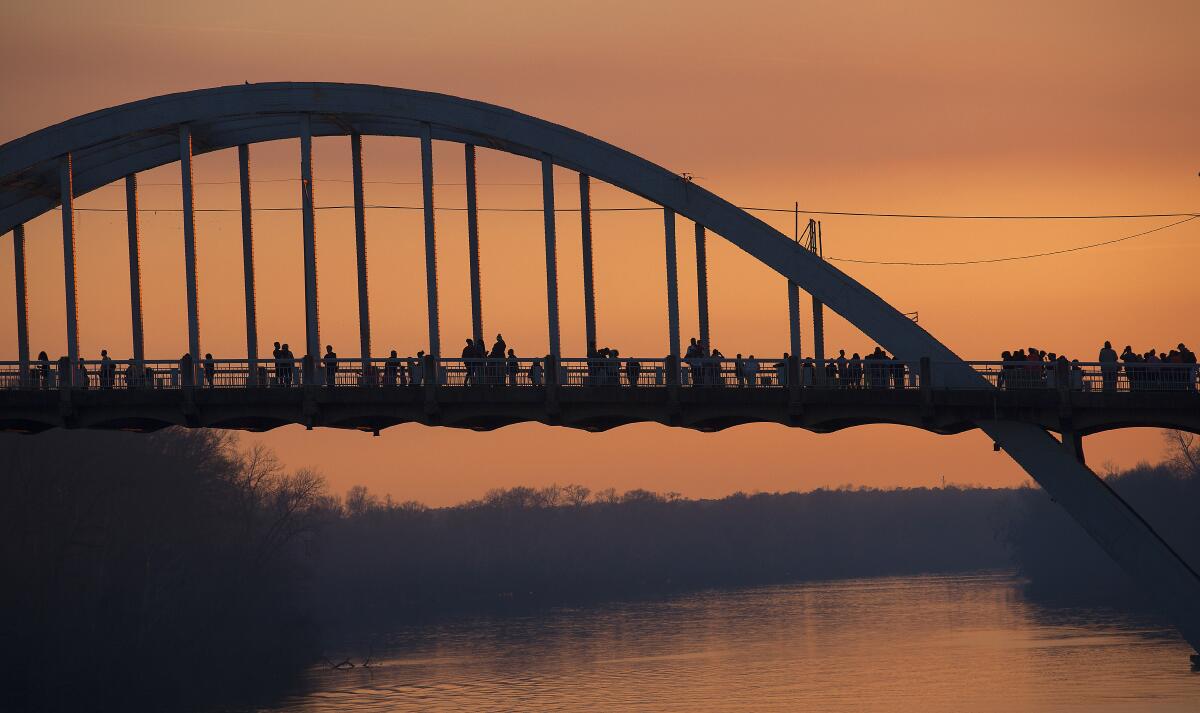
(1183, 453)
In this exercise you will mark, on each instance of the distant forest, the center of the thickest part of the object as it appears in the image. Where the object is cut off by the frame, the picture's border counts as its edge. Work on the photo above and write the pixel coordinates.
(151, 571)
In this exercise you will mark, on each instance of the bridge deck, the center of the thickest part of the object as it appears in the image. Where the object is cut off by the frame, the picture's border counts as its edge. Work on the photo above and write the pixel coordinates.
(596, 408)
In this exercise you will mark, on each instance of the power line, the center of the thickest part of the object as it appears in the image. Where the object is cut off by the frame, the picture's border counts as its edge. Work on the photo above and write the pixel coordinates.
(760, 209)
(1016, 257)
(1188, 218)
(942, 216)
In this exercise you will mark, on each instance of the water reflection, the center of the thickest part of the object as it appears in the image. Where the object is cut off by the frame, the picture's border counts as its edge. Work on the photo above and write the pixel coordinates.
(932, 643)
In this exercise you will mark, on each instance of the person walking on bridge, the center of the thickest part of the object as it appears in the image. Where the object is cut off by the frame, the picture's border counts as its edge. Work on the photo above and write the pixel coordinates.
(751, 369)
(1109, 367)
(495, 363)
(468, 357)
(210, 370)
(43, 370)
(331, 366)
(187, 370)
(107, 370)
(391, 369)
(512, 367)
(277, 355)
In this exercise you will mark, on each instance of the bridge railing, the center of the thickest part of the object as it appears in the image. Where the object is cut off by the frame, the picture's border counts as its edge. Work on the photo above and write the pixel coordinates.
(1087, 376)
(596, 372)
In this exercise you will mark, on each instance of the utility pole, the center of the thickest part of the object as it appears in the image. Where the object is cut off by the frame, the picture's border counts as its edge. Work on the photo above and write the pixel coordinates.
(815, 245)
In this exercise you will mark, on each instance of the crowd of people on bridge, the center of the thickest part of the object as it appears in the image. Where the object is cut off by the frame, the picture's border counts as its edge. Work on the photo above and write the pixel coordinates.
(700, 366)
(1150, 370)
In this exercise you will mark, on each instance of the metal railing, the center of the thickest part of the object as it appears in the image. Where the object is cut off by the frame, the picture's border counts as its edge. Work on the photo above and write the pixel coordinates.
(624, 372)
(1088, 376)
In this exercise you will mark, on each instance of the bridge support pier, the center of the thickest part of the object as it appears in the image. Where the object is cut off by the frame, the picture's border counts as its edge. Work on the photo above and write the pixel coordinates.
(248, 265)
(473, 247)
(551, 255)
(589, 285)
(1111, 522)
(360, 251)
(22, 303)
(67, 190)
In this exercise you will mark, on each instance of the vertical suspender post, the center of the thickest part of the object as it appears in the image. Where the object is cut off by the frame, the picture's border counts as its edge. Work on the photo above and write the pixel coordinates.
(189, 243)
(589, 284)
(135, 270)
(312, 325)
(551, 255)
(473, 247)
(67, 191)
(794, 294)
(702, 285)
(672, 284)
(431, 282)
(248, 265)
(22, 303)
(360, 246)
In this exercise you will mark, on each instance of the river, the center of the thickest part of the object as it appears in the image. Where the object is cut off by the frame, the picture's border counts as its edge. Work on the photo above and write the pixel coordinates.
(926, 643)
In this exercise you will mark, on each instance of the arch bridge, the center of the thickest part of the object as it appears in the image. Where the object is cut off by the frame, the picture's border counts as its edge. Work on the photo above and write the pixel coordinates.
(924, 385)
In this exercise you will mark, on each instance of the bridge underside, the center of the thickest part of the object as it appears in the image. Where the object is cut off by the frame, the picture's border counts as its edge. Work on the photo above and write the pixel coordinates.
(592, 409)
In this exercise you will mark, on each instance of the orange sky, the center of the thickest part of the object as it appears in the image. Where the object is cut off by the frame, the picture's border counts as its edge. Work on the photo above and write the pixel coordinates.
(918, 107)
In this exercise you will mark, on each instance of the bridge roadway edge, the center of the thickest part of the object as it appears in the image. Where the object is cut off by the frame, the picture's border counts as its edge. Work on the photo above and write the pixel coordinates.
(1104, 515)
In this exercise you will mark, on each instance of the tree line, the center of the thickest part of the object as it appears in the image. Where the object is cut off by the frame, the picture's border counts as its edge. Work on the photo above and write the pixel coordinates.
(179, 569)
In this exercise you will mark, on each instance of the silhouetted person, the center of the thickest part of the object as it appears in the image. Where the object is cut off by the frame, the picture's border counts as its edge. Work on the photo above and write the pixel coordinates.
(287, 362)
(131, 376)
(277, 355)
(495, 363)
(536, 372)
(417, 369)
(633, 371)
(1187, 358)
(856, 371)
(107, 370)
(1109, 367)
(512, 368)
(187, 370)
(43, 360)
(468, 357)
(1132, 372)
(331, 366)
(210, 370)
(391, 369)
(897, 372)
(751, 369)
(63, 372)
(807, 372)
(83, 374)
(718, 371)
(739, 370)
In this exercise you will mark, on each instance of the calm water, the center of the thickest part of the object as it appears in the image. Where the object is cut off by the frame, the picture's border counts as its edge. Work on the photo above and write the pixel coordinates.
(931, 643)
